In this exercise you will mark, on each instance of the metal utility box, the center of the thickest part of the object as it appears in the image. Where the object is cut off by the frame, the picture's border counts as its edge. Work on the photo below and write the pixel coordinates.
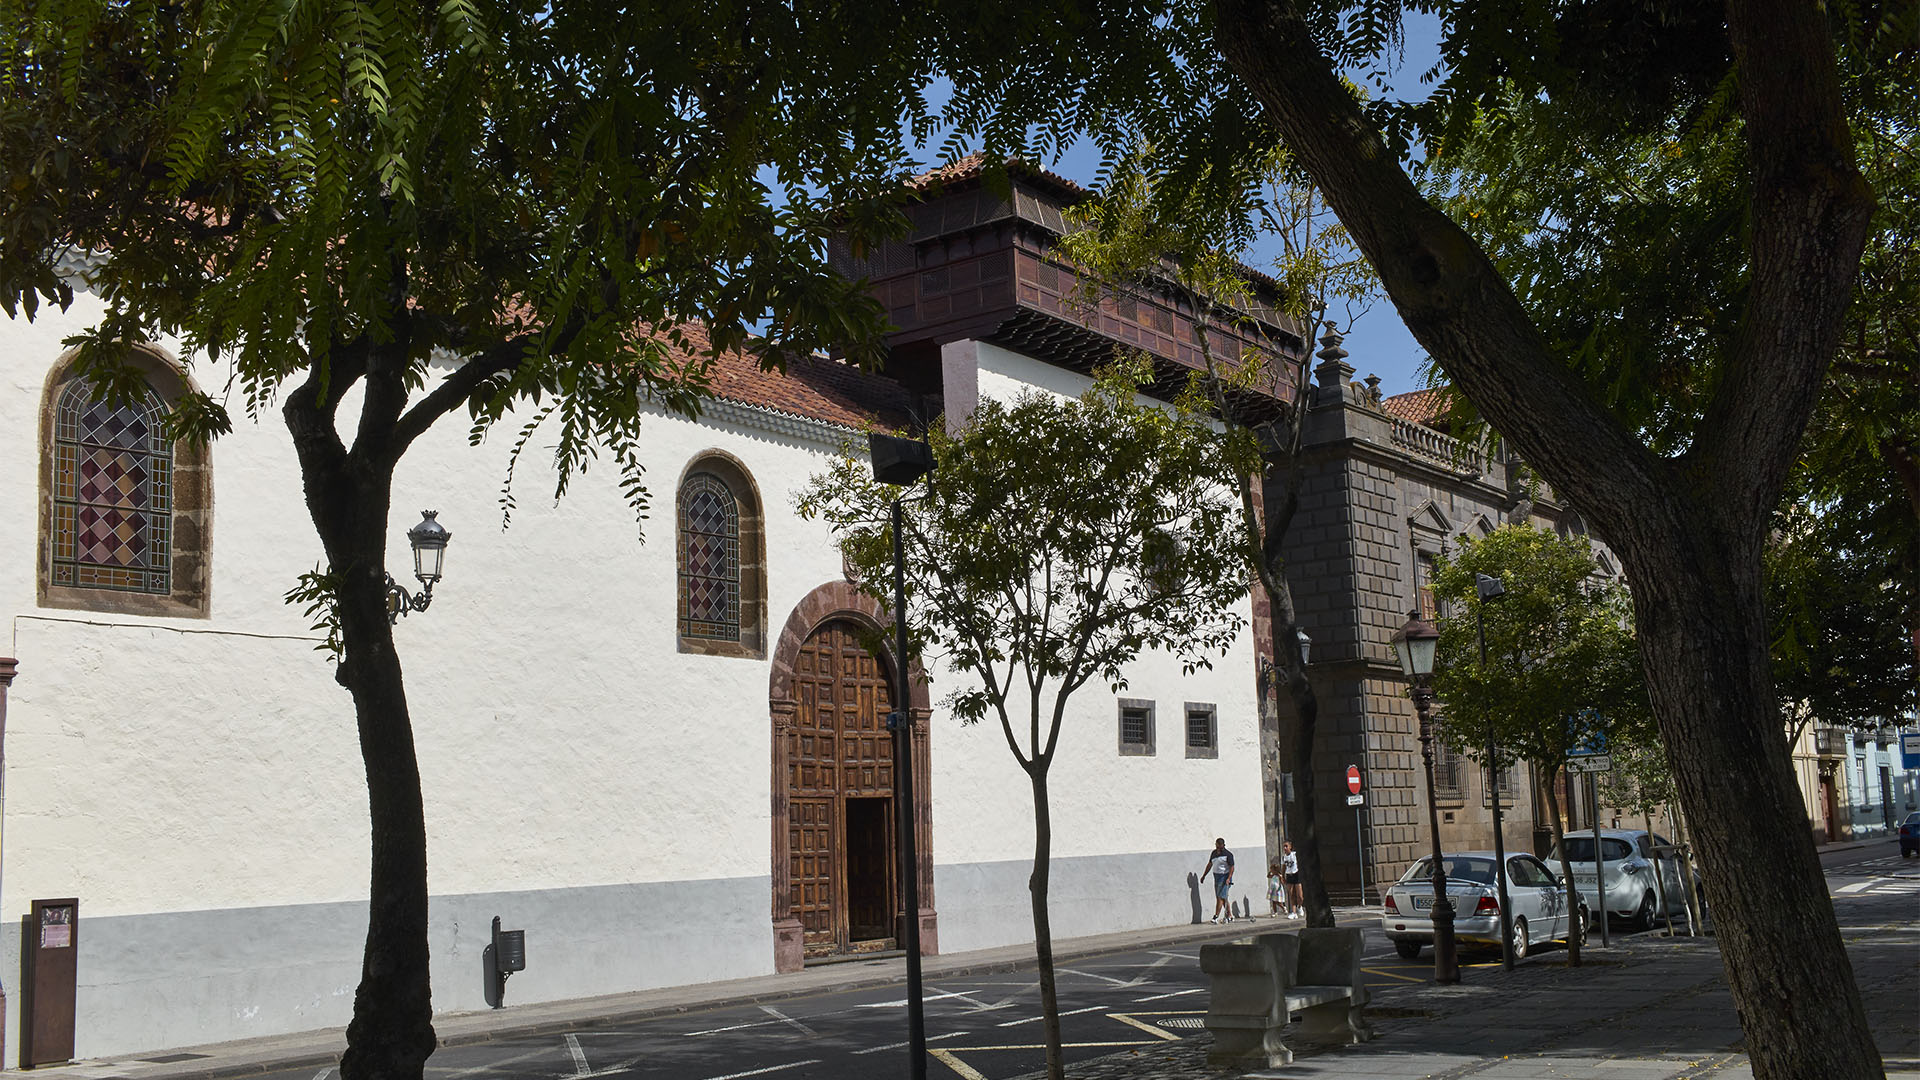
(51, 979)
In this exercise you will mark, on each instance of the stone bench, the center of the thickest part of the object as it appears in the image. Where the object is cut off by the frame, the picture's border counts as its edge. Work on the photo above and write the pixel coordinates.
(1256, 989)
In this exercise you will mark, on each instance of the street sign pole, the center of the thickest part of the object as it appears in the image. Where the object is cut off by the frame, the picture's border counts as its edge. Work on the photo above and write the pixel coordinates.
(1358, 802)
(1599, 856)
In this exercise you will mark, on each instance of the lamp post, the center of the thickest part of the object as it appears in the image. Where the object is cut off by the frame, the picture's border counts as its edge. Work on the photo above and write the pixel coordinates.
(1415, 644)
(902, 462)
(1490, 589)
(429, 542)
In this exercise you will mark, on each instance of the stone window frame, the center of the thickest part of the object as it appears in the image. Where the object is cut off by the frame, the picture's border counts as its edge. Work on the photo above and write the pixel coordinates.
(750, 519)
(1134, 749)
(1212, 712)
(1454, 792)
(1509, 779)
(190, 528)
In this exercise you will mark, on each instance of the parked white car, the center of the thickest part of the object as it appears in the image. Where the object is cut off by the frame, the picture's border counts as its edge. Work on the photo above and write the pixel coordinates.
(1632, 892)
(1538, 897)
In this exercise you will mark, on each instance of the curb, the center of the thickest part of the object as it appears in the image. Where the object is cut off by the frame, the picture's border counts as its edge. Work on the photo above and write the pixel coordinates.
(316, 1058)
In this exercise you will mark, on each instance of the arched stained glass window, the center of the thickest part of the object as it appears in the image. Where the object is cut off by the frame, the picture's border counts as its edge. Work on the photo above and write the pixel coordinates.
(112, 494)
(709, 559)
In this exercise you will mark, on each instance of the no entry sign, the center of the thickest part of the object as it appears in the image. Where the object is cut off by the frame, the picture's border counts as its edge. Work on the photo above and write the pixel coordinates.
(1353, 779)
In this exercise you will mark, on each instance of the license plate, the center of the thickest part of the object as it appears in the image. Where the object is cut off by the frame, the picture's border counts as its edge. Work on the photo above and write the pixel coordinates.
(1423, 903)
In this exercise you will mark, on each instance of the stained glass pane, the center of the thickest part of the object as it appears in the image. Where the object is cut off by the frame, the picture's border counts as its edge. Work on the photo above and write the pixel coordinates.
(112, 494)
(709, 559)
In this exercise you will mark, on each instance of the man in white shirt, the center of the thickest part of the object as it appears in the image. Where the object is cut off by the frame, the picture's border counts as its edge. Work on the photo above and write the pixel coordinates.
(1220, 866)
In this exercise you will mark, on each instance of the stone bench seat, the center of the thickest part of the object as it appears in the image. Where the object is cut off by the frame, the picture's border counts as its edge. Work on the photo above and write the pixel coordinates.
(1255, 990)
(1306, 997)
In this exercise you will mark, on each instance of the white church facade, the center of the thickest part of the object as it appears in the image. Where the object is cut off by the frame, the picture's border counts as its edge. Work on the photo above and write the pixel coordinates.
(661, 755)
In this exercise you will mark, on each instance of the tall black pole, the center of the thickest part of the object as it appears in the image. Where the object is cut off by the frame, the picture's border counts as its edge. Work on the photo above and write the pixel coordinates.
(901, 721)
(1493, 788)
(1446, 960)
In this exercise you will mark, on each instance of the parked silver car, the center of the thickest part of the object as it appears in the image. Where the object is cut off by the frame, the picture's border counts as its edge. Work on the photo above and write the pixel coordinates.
(1631, 857)
(1539, 903)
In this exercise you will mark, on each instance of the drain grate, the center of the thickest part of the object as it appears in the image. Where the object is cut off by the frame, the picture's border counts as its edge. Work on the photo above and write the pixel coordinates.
(1187, 1023)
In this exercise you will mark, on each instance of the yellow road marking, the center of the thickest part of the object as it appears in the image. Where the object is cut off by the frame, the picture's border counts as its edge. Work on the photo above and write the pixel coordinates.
(1391, 975)
(1148, 1028)
(966, 1071)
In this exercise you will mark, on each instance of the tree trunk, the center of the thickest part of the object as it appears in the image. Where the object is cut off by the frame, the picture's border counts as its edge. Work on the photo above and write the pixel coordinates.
(1698, 602)
(1688, 528)
(1566, 868)
(391, 1034)
(1042, 931)
(1306, 839)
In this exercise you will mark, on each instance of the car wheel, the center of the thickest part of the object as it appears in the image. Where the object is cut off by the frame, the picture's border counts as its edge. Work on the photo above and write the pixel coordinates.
(1643, 918)
(1408, 950)
(1520, 941)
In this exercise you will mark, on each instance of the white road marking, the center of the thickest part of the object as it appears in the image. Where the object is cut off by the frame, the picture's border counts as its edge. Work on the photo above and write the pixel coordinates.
(1102, 978)
(734, 1027)
(1037, 1019)
(455, 1074)
(579, 1056)
(785, 1019)
(1857, 886)
(768, 1069)
(1176, 993)
(902, 1003)
(898, 1045)
(1177, 955)
(323, 1073)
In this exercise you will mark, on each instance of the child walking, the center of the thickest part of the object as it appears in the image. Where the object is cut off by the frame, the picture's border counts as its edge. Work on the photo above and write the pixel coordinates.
(1273, 889)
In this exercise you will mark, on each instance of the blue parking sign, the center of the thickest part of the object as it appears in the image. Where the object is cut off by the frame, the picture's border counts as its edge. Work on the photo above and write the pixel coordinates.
(1910, 749)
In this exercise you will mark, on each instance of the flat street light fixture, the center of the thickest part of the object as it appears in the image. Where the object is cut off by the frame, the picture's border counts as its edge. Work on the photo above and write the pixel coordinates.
(902, 462)
(1415, 645)
(1490, 589)
(429, 542)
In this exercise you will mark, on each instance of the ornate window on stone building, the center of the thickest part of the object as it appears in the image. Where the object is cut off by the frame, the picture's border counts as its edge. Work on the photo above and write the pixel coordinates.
(125, 511)
(1136, 727)
(721, 555)
(1203, 730)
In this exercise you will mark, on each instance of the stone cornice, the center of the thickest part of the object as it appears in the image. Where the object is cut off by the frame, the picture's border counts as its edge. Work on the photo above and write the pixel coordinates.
(776, 422)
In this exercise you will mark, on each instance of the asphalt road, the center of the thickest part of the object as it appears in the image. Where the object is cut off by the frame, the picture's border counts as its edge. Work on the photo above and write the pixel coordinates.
(982, 1027)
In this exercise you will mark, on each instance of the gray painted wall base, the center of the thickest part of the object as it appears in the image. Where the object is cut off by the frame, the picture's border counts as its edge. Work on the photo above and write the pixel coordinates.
(149, 982)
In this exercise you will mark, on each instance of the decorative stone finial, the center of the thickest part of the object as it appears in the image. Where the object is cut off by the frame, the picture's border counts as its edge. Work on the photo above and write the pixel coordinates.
(1373, 389)
(1333, 370)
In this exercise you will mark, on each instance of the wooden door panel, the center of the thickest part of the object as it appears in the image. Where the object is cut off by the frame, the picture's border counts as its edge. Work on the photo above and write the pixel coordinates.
(839, 747)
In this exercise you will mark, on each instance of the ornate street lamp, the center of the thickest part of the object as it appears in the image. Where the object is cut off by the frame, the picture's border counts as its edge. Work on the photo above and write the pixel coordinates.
(429, 541)
(1415, 645)
(902, 462)
(1490, 589)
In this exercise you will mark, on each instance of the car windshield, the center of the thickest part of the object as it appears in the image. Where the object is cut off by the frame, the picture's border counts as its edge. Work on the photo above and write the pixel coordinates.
(1580, 849)
(1913, 818)
(1457, 868)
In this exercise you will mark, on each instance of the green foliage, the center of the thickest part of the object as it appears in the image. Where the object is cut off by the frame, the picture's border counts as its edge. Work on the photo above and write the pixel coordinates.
(1057, 540)
(529, 192)
(318, 593)
(1561, 661)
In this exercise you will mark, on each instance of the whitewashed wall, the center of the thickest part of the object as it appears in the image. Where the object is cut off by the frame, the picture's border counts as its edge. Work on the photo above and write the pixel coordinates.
(197, 782)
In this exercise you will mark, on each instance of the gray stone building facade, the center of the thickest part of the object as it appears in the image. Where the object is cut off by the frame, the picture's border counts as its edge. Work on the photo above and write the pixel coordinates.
(1386, 492)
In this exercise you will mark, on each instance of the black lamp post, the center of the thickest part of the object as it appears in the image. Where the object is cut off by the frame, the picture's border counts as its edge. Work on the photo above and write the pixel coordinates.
(902, 462)
(1490, 589)
(429, 542)
(1415, 644)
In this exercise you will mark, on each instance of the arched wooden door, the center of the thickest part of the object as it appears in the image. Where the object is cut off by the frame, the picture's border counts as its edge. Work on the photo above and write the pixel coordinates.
(840, 814)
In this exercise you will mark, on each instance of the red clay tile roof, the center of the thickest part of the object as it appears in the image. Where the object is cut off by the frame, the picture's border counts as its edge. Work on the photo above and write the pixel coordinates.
(1427, 407)
(975, 164)
(812, 386)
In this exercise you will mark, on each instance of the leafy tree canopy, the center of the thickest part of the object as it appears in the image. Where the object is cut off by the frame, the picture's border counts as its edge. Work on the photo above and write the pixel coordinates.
(1561, 661)
(544, 191)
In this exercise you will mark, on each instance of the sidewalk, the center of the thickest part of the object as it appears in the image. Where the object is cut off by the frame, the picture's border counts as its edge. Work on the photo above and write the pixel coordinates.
(1648, 1008)
(317, 1049)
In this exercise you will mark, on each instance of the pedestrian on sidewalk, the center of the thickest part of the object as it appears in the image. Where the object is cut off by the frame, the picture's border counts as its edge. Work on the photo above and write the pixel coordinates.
(1220, 865)
(1276, 890)
(1290, 866)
